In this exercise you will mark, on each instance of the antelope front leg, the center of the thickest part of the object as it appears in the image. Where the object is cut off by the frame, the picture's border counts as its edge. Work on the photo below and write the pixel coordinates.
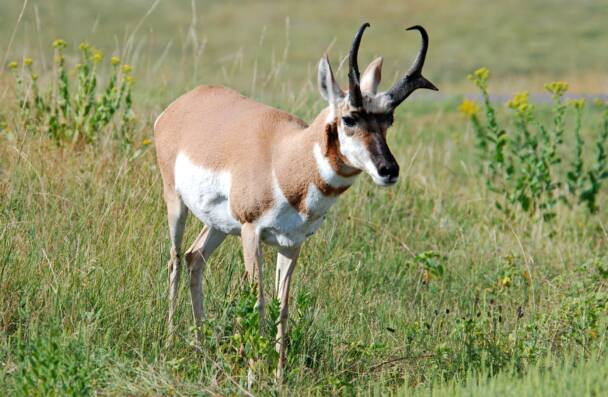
(252, 253)
(286, 262)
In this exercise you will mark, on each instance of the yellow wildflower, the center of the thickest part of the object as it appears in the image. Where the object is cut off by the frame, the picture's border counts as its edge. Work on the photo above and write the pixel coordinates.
(59, 43)
(577, 103)
(469, 108)
(126, 68)
(519, 100)
(557, 88)
(480, 77)
(97, 56)
(482, 73)
(13, 65)
(146, 142)
(525, 108)
(115, 60)
(27, 61)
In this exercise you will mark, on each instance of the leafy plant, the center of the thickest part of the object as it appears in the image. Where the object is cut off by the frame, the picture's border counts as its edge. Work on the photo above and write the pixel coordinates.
(430, 264)
(56, 366)
(245, 352)
(524, 165)
(76, 110)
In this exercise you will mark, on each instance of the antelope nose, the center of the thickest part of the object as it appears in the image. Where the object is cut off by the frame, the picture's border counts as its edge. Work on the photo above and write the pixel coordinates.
(389, 170)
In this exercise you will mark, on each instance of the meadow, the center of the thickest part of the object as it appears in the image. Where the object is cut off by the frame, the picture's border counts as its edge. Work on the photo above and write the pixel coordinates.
(426, 288)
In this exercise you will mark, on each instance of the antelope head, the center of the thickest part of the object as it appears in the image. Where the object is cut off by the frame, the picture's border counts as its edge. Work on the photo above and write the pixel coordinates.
(361, 116)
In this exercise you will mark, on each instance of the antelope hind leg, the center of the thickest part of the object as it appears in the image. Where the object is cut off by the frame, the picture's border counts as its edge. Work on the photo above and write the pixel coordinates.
(196, 258)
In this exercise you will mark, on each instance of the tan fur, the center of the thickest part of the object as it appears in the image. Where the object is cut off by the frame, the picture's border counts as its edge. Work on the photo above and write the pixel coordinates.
(219, 129)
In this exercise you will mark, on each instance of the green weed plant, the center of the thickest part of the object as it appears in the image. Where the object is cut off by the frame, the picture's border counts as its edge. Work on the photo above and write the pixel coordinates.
(73, 108)
(525, 165)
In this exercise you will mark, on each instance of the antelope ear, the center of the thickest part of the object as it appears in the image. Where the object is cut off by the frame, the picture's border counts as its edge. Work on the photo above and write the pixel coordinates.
(371, 77)
(330, 90)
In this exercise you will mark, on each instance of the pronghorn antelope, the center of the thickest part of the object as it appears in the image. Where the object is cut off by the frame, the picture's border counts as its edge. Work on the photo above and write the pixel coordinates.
(247, 169)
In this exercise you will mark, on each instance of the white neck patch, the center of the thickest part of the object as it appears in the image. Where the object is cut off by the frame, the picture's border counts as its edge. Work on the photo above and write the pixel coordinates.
(328, 174)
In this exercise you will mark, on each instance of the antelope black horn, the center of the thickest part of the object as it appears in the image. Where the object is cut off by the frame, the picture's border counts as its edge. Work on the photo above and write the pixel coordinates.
(414, 78)
(354, 89)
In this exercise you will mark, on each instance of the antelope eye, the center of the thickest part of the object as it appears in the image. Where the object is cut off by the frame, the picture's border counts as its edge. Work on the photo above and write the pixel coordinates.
(348, 121)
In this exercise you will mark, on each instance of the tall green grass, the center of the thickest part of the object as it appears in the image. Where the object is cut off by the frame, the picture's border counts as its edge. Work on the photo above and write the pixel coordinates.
(563, 377)
(418, 284)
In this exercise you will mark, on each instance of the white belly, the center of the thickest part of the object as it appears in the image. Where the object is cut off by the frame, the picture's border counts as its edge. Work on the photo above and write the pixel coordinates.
(207, 194)
(285, 226)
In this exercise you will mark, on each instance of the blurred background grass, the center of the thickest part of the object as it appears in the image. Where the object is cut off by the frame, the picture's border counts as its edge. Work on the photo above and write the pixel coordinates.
(177, 43)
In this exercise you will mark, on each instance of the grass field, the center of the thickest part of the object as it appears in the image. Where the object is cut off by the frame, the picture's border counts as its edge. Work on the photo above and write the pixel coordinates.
(421, 289)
